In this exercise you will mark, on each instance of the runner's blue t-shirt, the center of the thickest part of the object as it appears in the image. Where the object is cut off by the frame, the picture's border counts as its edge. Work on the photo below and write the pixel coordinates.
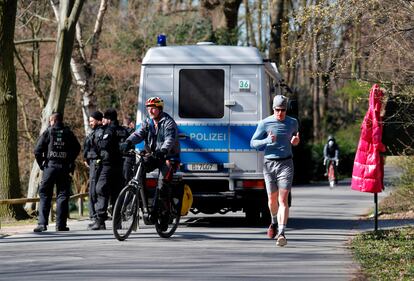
(283, 130)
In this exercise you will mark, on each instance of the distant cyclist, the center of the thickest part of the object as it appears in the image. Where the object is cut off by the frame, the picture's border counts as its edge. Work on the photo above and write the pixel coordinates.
(331, 153)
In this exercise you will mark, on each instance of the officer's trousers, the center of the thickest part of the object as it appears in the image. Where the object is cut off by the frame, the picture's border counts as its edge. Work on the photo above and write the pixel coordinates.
(94, 170)
(103, 191)
(54, 174)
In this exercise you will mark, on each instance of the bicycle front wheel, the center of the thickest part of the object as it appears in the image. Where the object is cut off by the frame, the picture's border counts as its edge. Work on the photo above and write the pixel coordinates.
(168, 217)
(331, 175)
(125, 212)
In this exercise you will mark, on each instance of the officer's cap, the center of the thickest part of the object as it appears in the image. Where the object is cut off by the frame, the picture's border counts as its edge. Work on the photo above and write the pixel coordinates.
(110, 114)
(97, 115)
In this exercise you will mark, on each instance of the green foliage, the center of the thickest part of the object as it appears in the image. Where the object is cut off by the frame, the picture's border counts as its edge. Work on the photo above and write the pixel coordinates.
(312, 155)
(223, 37)
(386, 254)
(355, 89)
(186, 29)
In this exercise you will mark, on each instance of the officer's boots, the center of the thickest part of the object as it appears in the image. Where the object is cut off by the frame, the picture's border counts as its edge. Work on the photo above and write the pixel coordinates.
(97, 225)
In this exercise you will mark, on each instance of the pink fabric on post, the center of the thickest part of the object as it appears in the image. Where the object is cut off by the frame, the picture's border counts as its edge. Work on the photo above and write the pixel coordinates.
(368, 171)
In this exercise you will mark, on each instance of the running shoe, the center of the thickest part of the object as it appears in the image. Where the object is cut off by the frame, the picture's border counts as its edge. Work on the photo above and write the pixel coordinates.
(271, 231)
(281, 240)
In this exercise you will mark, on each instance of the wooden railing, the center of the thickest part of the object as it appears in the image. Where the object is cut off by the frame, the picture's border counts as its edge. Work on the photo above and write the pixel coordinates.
(79, 196)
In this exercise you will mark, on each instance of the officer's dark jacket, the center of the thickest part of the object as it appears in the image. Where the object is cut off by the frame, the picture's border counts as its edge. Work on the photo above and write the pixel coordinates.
(165, 137)
(90, 146)
(108, 143)
(57, 144)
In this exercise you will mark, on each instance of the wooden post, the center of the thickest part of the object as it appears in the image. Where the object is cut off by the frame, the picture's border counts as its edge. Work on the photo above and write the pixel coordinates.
(80, 208)
(376, 211)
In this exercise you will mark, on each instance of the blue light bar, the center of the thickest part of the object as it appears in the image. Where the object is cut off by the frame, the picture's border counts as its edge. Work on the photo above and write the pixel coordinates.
(162, 40)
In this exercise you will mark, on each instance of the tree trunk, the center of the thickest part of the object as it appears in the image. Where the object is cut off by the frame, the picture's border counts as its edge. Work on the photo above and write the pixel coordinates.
(223, 15)
(250, 36)
(260, 26)
(69, 12)
(316, 83)
(9, 173)
(276, 16)
(83, 68)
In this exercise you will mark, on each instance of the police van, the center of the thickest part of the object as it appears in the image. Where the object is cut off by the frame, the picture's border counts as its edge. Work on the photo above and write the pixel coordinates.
(217, 95)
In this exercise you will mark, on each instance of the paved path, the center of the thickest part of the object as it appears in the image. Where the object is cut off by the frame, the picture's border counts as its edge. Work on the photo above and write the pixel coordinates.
(204, 248)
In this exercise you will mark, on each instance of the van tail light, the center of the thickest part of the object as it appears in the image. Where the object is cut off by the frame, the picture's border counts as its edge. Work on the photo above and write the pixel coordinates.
(151, 183)
(253, 184)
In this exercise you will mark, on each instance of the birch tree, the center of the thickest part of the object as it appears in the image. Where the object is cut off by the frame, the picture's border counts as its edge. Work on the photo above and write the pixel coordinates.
(83, 66)
(276, 16)
(69, 11)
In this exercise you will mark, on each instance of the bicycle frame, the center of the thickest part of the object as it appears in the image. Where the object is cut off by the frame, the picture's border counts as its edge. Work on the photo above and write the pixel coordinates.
(331, 173)
(132, 199)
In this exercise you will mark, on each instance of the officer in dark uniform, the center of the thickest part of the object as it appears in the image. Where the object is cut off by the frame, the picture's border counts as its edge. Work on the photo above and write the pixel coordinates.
(128, 158)
(55, 153)
(92, 159)
(109, 184)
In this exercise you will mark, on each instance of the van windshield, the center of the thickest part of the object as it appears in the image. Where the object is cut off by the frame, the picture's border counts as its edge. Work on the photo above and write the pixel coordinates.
(201, 93)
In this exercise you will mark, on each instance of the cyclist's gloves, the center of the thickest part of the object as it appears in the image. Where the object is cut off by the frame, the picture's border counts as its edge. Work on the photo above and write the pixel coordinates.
(125, 146)
(161, 154)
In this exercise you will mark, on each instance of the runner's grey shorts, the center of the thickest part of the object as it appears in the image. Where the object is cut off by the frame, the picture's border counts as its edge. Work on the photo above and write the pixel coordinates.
(278, 174)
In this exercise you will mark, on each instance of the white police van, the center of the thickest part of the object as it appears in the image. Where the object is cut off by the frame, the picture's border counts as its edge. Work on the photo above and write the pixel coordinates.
(217, 95)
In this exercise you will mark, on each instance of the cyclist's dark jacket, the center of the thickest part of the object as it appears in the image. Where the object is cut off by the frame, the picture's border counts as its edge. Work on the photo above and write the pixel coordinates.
(331, 152)
(57, 144)
(165, 137)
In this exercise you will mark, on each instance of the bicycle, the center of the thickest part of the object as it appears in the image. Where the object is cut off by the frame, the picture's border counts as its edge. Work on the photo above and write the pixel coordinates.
(331, 172)
(133, 198)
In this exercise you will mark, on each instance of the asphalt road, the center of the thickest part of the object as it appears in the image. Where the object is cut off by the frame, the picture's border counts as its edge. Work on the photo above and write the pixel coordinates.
(204, 247)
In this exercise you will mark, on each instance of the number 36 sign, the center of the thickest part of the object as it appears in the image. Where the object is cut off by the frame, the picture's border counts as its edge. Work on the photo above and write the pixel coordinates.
(244, 85)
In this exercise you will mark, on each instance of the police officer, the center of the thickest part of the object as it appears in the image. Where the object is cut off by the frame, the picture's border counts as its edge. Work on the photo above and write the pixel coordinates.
(92, 159)
(55, 153)
(122, 134)
(128, 158)
(108, 184)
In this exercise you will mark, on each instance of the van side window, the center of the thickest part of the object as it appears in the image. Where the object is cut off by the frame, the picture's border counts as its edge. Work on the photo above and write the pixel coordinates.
(201, 93)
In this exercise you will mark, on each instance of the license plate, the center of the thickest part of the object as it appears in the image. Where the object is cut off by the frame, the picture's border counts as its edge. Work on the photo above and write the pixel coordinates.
(202, 167)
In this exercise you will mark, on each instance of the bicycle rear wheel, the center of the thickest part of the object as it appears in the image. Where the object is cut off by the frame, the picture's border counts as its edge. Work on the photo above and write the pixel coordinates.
(168, 217)
(125, 212)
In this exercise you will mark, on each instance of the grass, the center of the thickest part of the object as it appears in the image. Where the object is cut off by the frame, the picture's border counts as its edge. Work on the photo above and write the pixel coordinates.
(386, 254)
(389, 254)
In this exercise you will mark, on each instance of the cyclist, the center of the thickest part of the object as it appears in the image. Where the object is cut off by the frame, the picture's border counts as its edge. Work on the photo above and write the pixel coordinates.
(160, 134)
(331, 153)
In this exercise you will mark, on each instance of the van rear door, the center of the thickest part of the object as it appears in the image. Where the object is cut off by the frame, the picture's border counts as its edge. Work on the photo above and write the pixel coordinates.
(245, 112)
(203, 117)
